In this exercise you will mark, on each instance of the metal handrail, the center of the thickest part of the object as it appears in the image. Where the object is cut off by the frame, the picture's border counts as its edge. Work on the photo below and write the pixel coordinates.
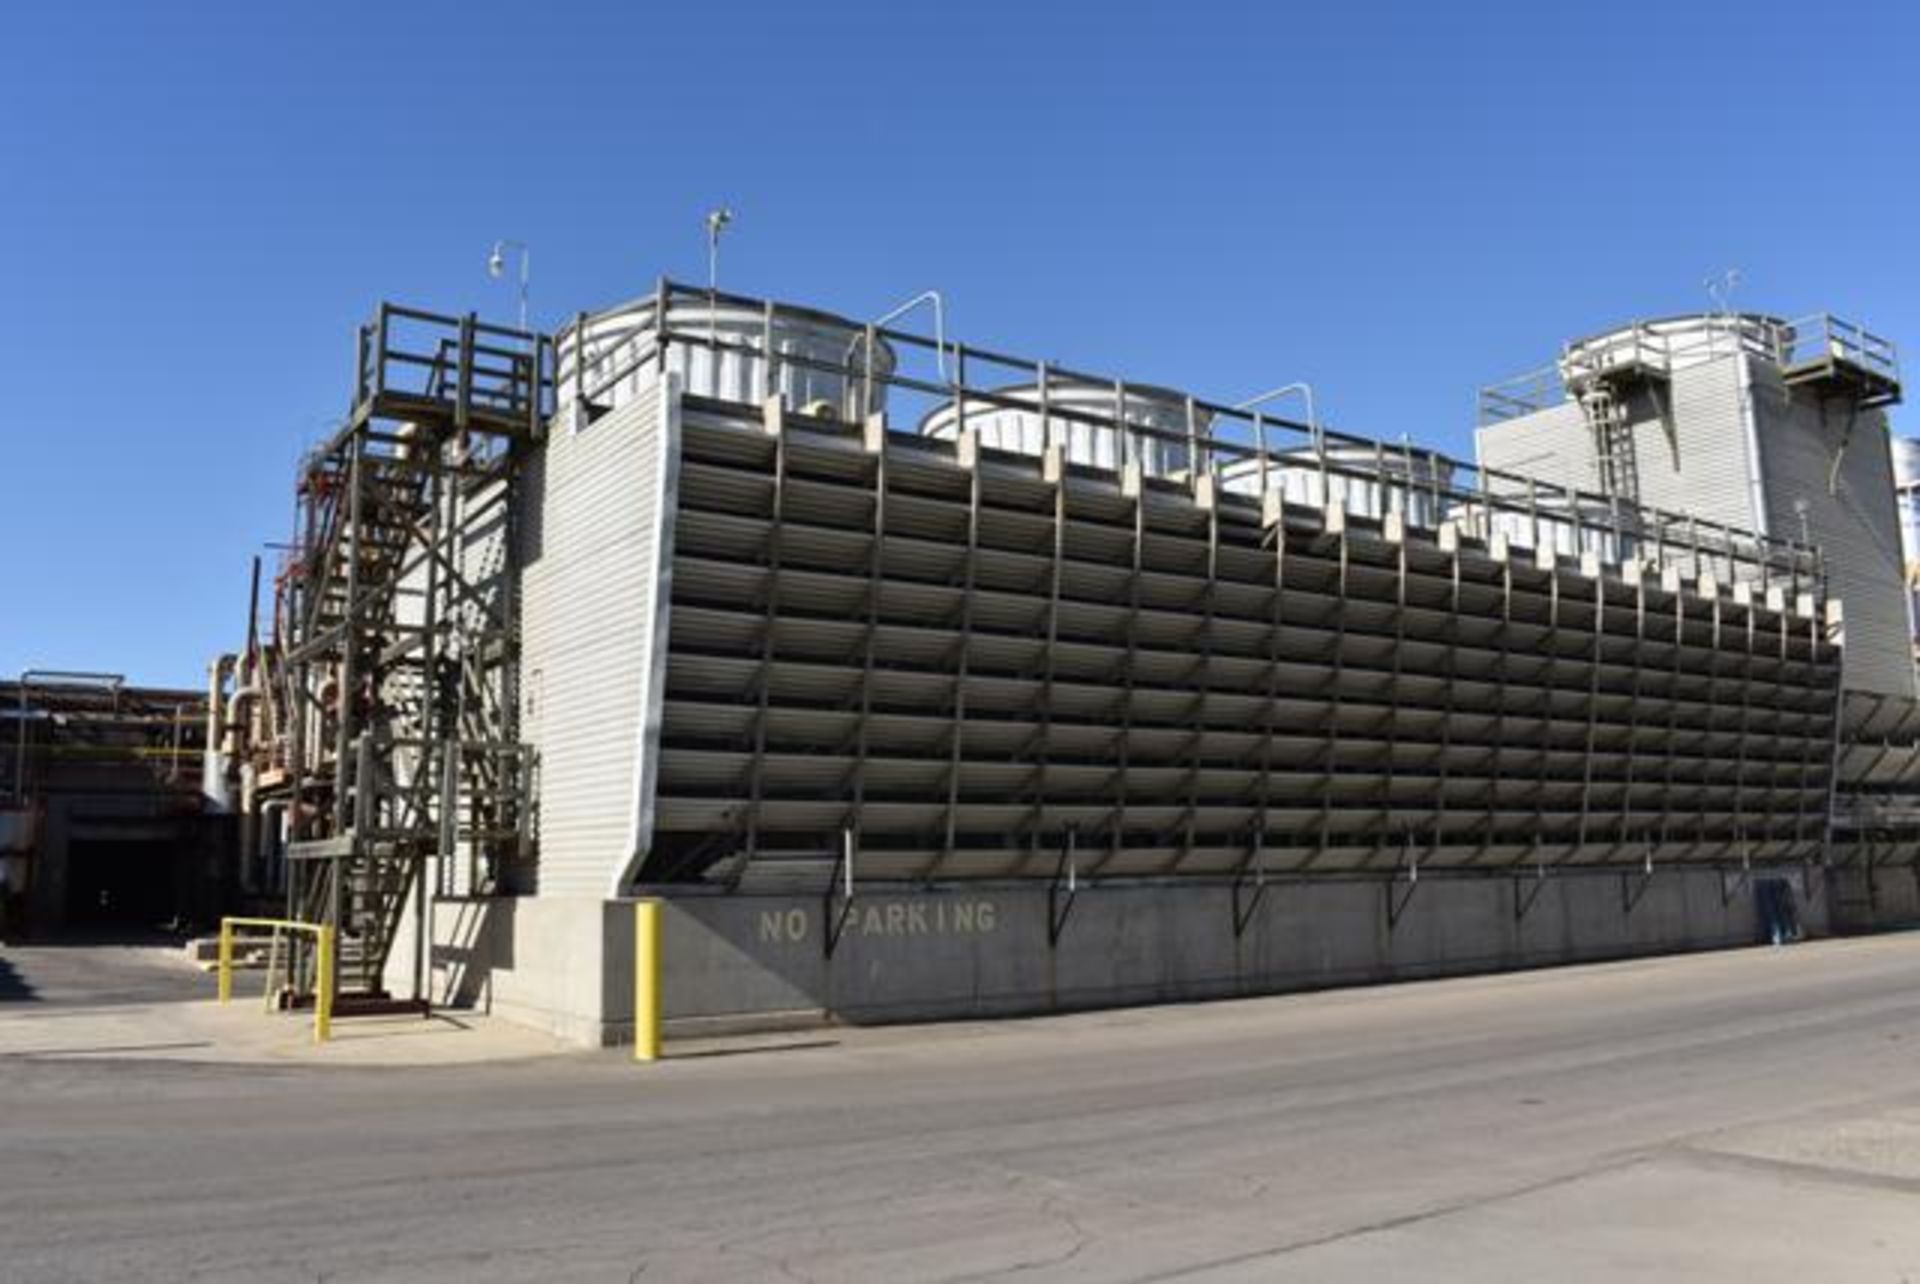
(867, 339)
(470, 364)
(325, 942)
(1810, 340)
(1825, 337)
(1673, 538)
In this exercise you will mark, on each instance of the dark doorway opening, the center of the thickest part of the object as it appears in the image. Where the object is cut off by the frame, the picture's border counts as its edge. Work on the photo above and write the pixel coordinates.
(1779, 912)
(122, 884)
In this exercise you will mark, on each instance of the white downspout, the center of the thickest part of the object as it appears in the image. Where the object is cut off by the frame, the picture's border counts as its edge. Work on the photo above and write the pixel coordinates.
(1756, 483)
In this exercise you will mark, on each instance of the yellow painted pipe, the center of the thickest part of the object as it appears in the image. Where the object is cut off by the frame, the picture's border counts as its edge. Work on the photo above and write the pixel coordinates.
(323, 989)
(646, 980)
(225, 968)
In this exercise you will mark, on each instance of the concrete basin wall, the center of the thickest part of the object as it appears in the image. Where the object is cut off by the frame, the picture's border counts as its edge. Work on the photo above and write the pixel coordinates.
(734, 962)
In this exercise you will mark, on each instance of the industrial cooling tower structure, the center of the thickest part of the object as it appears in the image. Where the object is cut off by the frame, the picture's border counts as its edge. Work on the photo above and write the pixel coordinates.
(1065, 690)
(1779, 427)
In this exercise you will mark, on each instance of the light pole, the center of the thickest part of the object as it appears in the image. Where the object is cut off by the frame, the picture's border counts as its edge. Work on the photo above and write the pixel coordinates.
(497, 267)
(717, 221)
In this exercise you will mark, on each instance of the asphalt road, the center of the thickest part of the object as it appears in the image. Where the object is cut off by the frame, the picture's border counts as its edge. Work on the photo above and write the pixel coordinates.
(1747, 1116)
(96, 974)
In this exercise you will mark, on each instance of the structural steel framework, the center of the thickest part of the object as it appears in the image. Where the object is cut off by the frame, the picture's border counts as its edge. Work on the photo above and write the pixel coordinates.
(394, 666)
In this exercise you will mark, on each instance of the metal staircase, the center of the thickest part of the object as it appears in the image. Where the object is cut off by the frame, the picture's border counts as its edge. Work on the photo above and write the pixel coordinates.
(400, 636)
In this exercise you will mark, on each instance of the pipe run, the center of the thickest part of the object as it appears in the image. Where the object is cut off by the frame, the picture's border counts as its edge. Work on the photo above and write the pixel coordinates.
(213, 760)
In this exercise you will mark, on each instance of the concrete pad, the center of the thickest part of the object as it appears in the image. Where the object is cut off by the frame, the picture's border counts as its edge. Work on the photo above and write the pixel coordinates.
(1883, 1144)
(241, 1033)
(1678, 1217)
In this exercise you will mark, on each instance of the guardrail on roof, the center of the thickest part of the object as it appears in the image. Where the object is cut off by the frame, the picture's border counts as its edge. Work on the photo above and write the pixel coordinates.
(1218, 437)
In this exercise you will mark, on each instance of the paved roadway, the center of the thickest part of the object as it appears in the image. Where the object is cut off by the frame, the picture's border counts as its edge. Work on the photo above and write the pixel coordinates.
(96, 974)
(1749, 1116)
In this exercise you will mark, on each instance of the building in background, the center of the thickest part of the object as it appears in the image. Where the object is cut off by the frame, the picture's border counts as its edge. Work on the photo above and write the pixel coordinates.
(103, 825)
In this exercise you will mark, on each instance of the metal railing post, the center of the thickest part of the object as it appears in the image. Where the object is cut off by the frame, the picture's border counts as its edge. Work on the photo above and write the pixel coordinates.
(1260, 448)
(1193, 441)
(463, 395)
(959, 391)
(866, 377)
(379, 362)
(1046, 412)
(770, 356)
(661, 300)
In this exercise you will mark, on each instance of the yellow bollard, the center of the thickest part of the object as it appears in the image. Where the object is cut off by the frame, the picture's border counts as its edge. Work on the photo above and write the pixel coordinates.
(646, 980)
(225, 967)
(323, 989)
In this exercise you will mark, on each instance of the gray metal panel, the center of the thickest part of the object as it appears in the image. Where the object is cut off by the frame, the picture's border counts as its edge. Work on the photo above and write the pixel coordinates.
(1552, 445)
(1855, 521)
(1694, 458)
(1693, 451)
(1690, 445)
(588, 611)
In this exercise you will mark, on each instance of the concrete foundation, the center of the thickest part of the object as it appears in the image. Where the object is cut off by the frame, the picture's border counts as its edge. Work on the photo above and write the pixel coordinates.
(564, 965)
(543, 962)
(1866, 899)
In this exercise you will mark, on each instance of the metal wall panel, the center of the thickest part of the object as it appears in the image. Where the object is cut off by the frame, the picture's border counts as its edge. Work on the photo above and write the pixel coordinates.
(1855, 519)
(1690, 445)
(1694, 458)
(1551, 444)
(590, 562)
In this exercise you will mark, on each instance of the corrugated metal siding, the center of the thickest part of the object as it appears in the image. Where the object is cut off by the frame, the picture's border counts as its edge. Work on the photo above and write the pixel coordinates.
(1552, 445)
(1702, 466)
(1856, 525)
(588, 609)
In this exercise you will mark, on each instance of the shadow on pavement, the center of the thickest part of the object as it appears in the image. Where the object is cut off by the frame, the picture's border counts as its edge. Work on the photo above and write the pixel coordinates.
(97, 938)
(13, 986)
(87, 971)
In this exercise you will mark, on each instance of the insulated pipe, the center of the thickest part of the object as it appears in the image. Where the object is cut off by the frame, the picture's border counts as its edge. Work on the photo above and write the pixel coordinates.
(217, 674)
(241, 697)
(249, 835)
(213, 759)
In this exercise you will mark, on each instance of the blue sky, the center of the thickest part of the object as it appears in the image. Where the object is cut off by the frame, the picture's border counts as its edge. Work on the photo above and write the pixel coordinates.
(1395, 201)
